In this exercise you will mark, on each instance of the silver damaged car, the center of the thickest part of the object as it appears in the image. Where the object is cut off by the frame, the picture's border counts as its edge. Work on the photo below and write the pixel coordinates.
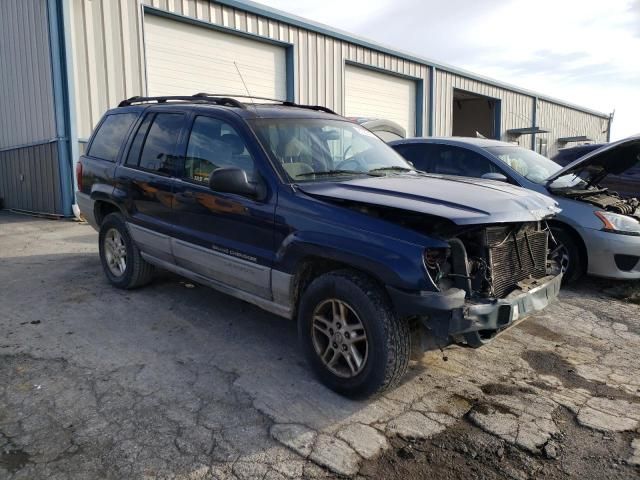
(597, 232)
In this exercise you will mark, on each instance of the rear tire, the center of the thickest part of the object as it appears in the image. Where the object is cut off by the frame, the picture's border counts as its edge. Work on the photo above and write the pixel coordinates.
(570, 256)
(121, 260)
(336, 311)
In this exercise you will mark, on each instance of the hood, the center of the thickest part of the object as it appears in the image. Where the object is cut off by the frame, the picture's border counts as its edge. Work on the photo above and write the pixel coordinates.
(464, 201)
(614, 158)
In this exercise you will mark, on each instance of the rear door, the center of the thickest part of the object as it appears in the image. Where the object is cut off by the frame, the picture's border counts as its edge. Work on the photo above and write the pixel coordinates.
(147, 176)
(225, 237)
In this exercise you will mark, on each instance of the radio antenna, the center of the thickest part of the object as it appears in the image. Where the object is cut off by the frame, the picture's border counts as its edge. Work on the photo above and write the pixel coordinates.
(246, 88)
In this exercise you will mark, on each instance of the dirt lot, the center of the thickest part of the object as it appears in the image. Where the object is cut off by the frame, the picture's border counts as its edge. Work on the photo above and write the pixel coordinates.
(178, 381)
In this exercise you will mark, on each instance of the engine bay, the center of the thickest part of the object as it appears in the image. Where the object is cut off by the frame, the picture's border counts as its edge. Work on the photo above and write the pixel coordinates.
(490, 261)
(602, 198)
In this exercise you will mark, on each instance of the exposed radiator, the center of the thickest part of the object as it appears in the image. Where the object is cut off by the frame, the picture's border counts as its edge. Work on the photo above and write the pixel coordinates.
(515, 256)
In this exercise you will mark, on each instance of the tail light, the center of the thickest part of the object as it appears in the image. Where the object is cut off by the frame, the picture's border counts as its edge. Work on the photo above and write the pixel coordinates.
(79, 175)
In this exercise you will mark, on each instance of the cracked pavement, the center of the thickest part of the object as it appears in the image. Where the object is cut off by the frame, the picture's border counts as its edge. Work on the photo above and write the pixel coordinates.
(176, 382)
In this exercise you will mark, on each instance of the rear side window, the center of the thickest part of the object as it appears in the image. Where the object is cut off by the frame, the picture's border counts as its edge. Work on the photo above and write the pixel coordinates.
(450, 160)
(154, 145)
(110, 136)
(415, 153)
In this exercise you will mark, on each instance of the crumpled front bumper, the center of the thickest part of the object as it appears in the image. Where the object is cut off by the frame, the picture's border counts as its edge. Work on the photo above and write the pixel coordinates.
(450, 318)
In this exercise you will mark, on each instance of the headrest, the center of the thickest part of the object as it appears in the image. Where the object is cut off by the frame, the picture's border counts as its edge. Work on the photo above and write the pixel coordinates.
(234, 141)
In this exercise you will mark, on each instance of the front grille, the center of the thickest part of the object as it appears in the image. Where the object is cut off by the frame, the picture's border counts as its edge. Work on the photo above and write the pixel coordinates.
(516, 255)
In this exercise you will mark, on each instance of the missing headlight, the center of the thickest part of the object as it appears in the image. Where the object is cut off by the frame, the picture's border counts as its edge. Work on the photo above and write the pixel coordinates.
(435, 261)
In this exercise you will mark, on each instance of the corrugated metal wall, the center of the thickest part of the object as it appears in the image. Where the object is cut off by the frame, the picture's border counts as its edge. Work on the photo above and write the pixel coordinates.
(29, 172)
(30, 179)
(109, 66)
(566, 122)
(26, 89)
(104, 76)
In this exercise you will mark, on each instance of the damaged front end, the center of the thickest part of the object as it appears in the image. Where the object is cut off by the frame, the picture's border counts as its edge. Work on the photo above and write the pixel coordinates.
(489, 277)
(491, 266)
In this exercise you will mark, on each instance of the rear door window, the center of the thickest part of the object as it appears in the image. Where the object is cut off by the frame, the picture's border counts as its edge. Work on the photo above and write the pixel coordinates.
(154, 147)
(111, 135)
(450, 160)
(417, 154)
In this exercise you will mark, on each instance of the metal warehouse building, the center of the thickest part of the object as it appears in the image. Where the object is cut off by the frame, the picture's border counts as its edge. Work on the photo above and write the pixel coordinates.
(64, 62)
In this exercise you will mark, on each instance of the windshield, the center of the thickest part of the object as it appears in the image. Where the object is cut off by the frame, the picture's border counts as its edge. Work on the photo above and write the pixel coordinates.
(533, 166)
(316, 149)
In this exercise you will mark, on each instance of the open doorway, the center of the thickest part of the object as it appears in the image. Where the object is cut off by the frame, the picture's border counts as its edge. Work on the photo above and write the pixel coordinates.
(475, 115)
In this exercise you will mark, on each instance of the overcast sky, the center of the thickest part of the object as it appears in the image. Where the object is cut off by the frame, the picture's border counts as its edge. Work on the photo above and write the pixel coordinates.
(582, 51)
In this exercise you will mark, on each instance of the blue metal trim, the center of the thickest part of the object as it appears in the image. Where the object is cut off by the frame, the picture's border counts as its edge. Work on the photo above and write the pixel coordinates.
(497, 117)
(534, 122)
(213, 26)
(143, 53)
(419, 90)
(432, 98)
(290, 58)
(380, 70)
(280, 16)
(419, 108)
(60, 99)
(289, 47)
(70, 104)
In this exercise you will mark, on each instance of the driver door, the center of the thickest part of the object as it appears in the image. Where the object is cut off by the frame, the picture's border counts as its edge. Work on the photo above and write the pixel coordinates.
(225, 237)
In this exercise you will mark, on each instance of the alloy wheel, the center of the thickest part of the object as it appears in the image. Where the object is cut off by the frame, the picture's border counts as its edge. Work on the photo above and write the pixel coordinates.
(339, 338)
(115, 252)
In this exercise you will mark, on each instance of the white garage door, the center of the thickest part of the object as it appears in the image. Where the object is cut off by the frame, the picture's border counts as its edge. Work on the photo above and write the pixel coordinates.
(184, 59)
(379, 95)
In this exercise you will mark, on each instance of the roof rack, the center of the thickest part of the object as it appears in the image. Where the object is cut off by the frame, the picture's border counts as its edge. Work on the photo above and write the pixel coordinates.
(217, 100)
(286, 103)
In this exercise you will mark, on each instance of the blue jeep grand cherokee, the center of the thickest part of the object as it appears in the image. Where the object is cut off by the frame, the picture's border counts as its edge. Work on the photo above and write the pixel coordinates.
(312, 217)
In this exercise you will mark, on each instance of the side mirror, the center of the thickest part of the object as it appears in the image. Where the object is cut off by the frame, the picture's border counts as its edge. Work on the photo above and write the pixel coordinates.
(495, 176)
(232, 180)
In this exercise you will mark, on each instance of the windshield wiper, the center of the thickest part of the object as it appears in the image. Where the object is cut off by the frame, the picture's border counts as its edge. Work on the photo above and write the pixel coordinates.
(329, 173)
(393, 168)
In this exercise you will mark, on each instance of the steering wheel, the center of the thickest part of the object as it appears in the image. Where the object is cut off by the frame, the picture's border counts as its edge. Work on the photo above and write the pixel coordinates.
(352, 163)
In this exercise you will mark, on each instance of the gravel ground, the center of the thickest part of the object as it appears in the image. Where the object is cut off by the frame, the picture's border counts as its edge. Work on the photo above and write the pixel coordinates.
(177, 381)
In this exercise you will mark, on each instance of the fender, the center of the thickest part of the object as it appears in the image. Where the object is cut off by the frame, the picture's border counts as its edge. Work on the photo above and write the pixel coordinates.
(399, 265)
(102, 192)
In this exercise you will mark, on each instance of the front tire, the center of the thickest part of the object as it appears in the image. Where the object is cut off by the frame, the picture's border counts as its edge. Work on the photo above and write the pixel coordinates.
(569, 256)
(350, 335)
(122, 263)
